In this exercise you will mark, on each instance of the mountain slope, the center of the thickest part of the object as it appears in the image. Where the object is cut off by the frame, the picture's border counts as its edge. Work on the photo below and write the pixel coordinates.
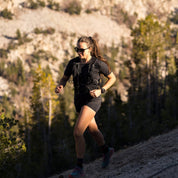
(28, 20)
(157, 157)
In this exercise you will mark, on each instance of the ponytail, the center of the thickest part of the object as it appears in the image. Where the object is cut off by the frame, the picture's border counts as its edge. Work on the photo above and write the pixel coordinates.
(96, 51)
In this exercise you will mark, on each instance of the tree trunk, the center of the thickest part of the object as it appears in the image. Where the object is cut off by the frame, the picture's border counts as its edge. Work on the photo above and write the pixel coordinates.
(28, 138)
(49, 133)
(156, 99)
(50, 113)
(148, 84)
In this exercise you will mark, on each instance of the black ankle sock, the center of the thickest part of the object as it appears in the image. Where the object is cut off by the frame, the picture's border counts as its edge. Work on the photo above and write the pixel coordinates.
(104, 149)
(80, 162)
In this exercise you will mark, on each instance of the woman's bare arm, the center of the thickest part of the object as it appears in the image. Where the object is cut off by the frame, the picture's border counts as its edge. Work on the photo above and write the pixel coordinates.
(111, 79)
(62, 84)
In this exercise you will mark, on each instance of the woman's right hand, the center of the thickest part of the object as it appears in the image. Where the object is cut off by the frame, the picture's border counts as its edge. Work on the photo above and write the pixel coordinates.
(59, 89)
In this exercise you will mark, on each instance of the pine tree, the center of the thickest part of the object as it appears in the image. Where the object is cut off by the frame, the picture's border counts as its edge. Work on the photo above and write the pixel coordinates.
(43, 104)
(150, 42)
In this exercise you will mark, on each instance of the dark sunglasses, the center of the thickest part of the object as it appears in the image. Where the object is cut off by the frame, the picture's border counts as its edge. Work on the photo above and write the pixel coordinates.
(80, 50)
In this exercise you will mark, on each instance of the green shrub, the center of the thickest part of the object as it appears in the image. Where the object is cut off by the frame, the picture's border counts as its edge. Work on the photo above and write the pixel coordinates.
(43, 55)
(49, 31)
(11, 46)
(37, 31)
(88, 11)
(73, 7)
(2, 67)
(36, 5)
(6, 14)
(14, 72)
(22, 38)
(33, 5)
(41, 3)
(53, 5)
(174, 16)
(3, 53)
(18, 34)
(123, 17)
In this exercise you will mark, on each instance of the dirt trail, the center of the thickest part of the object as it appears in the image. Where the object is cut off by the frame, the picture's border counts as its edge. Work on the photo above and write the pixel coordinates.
(155, 158)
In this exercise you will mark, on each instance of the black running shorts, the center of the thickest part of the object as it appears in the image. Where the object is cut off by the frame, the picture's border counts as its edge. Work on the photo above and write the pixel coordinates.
(93, 103)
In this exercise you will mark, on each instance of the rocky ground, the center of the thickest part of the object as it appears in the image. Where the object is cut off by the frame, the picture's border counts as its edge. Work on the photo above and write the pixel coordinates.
(155, 158)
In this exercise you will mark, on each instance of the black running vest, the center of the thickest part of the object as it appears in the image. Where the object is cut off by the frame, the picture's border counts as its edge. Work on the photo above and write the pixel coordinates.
(85, 77)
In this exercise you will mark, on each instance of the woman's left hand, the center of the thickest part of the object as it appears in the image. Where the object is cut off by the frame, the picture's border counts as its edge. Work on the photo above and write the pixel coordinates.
(95, 93)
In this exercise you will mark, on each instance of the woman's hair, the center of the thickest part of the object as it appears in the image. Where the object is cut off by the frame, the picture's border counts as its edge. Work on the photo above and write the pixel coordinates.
(95, 48)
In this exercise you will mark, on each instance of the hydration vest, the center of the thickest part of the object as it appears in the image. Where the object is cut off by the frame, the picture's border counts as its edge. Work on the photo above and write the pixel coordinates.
(85, 77)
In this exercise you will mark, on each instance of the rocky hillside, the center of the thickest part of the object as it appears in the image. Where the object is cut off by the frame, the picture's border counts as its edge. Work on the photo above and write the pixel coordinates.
(104, 18)
(104, 7)
(155, 158)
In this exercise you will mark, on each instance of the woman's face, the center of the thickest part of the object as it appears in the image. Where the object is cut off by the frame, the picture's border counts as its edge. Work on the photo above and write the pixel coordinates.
(83, 50)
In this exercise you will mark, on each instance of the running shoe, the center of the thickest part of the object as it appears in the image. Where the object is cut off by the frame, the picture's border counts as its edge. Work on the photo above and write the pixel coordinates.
(76, 173)
(106, 157)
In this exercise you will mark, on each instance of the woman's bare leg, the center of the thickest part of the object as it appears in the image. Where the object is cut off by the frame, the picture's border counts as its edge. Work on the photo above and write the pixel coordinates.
(98, 136)
(84, 119)
(95, 132)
